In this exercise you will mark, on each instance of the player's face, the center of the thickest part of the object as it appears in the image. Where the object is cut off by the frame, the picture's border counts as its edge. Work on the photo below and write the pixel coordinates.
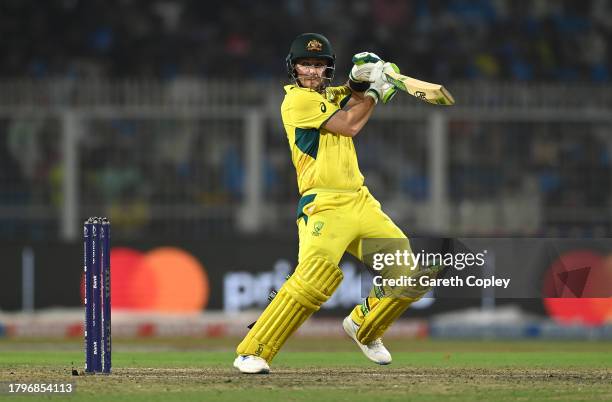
(310, 72)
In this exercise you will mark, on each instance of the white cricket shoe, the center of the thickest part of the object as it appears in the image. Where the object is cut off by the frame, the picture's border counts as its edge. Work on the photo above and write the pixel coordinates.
(251, 365)
(374, 351)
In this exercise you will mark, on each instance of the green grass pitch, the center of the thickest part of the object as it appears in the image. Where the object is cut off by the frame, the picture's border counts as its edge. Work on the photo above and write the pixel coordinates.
(321, 370)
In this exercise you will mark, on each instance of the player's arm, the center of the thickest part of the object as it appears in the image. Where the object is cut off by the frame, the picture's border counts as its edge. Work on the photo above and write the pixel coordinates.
(357, 93)
(350, 122)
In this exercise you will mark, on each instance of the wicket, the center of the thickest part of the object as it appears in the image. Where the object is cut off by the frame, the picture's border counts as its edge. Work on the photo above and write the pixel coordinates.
(97, 328)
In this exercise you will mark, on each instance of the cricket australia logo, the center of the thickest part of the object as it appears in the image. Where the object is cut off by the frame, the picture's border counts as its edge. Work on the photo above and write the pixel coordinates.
(318, 226)
(314, 46)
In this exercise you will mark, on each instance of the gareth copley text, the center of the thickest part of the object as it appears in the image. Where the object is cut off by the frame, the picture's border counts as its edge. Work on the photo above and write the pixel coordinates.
(455, 281)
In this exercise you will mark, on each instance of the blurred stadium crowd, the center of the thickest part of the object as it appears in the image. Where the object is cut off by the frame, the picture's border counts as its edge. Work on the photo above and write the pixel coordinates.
(557, 170)
(517, 178)
(527, 40)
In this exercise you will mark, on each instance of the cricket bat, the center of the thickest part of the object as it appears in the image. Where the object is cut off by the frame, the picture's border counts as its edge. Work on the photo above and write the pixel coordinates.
(435, 94)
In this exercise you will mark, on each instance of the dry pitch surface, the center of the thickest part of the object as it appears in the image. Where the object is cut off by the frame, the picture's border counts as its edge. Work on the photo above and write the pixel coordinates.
(320, 369)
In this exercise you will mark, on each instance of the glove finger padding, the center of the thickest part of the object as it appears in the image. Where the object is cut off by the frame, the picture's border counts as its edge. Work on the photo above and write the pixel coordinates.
(380, 89)
(365, 57)
(364, 64)
(388, 95)
(391, 92)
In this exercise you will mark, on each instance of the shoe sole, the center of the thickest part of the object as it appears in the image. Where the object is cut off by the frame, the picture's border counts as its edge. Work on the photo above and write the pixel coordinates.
(262, 371)
(349, 331)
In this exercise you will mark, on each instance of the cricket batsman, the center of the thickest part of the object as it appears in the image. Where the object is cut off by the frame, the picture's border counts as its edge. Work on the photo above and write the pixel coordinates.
(336, 211)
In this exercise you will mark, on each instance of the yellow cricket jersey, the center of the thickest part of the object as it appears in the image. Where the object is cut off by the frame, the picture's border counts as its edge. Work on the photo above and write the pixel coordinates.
(322, 159)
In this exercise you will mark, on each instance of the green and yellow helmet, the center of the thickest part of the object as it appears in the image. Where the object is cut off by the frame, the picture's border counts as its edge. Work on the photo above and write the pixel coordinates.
(309, 45)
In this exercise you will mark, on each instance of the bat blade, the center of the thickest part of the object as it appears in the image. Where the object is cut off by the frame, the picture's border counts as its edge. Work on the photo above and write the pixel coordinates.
(428, 92)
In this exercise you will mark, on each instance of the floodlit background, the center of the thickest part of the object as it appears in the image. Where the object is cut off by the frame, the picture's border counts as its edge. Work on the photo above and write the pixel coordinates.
(164, 116)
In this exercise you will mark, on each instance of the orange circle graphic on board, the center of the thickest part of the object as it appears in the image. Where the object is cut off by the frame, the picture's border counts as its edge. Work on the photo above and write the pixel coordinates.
(127, 293)
(166, 279)
(178, 279)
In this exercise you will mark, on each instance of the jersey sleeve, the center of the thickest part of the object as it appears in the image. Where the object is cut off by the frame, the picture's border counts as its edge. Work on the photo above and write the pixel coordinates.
(310, 110)
(338, 94)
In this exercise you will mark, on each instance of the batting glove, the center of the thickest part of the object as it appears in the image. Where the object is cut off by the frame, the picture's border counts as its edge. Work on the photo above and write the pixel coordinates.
(380, 89)
(364, 62)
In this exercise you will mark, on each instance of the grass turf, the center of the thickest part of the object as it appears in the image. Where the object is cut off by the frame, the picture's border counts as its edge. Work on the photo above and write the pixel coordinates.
(326, 370)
